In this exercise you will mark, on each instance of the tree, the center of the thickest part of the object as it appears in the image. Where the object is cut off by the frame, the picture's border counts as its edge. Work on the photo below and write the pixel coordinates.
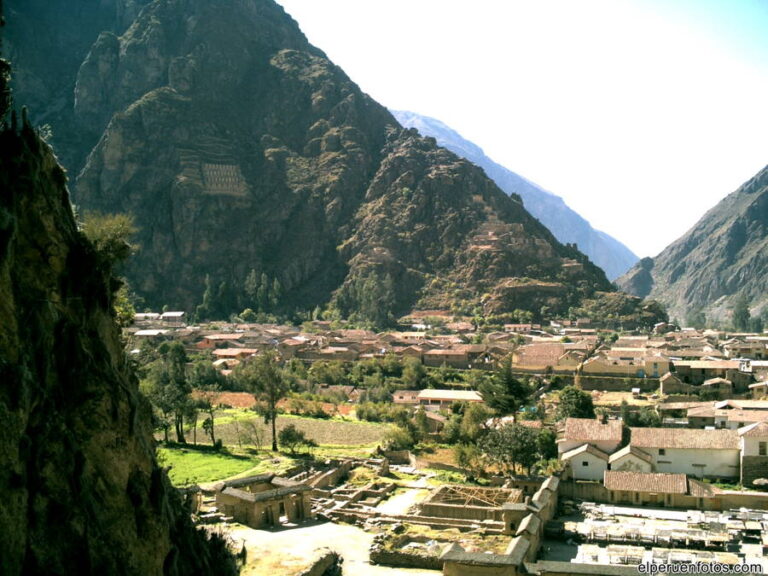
(469, 457)
(510, 445)
(473, 423)
(741, 315)
(546, 444)
(291, 437)
(575, 403)
(264, 377)
(168, 389)
(505, 393)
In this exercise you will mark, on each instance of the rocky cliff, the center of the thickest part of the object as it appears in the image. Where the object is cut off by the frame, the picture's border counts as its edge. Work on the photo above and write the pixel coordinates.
(47, 41)
(243, 152)
(567, 226)
(724, 256)
(239, 147)
(81, 490)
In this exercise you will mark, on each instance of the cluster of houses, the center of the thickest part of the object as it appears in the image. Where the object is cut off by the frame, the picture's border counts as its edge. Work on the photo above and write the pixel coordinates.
(677, 362)
(593, 449)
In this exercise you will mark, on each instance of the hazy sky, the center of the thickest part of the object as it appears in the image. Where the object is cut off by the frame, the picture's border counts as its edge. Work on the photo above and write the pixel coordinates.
(642, 114)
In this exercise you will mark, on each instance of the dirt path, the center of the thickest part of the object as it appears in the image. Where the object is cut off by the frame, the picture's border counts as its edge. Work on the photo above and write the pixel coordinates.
(287, 551)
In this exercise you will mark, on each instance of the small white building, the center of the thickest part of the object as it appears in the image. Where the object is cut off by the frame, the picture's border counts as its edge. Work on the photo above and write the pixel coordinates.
(436, 399)
(605, 435)
(753, 442)
(586, 462)
(630, 459)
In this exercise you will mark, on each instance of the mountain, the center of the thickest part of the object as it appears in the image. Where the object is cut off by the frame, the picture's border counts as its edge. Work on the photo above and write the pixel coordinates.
(567, 226)
(82, 491)
(47, 41)
(259, 175)
(722, 258)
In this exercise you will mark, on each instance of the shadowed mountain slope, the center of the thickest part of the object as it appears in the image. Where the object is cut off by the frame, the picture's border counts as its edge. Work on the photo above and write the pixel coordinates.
(723, 257)
(567, 226)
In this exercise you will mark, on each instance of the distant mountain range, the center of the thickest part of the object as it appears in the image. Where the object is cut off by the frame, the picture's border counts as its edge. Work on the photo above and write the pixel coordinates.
(722, 258)
(260, 176)
(567, 226)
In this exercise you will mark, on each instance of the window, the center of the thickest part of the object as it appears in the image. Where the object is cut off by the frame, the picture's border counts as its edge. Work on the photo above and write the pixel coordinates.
(662, 452)
(762, 448)
(585, 463)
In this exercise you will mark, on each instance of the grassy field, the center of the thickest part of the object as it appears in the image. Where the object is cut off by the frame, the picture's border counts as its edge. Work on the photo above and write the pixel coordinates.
(190, 464)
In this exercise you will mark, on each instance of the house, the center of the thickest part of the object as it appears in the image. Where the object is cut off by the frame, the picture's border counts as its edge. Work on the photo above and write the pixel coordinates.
(719, 387)
(586, 462)
(671, 384)
(759, 390)
(446, 357)
(623, 363)
(605, 435)
(217, 340)
(172, 318)
(631, 459)
(699, 453)
(238, 353)
(437, 399)
(406, 396)
(259, 501)
(638, 488)
(753, 443)
(697, 371)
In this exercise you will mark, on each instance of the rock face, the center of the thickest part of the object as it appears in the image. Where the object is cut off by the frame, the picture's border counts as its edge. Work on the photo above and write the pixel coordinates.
(47, 41)
(724, 256)
(242, 151)
(81, 490)
(238, 146)
(567, 226)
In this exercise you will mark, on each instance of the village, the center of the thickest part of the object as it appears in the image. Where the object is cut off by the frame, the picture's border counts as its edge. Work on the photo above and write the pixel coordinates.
(669, 467)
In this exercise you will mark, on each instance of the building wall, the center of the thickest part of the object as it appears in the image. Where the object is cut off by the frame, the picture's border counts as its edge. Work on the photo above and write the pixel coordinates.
(631, 463)
(593, 470)
(752, 468)
(696, 463)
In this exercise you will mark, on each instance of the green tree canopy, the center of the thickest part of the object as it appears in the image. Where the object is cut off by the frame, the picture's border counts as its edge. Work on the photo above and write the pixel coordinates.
(575, 403)
(504, 393)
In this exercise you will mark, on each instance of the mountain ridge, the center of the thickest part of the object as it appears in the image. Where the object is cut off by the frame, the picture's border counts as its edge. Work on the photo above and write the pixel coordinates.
(244, 153)
(714, 263)
(566, 224)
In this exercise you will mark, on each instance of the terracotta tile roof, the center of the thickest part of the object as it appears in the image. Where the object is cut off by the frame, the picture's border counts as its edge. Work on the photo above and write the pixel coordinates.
(630, 450)
(642, 482)
(590, 430)
(757, 430)
(684, 438)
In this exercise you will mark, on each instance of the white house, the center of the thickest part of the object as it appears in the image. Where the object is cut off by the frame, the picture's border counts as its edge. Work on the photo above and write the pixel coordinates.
(605, 435)
(699, 453)
(587, 462)
(753, 442)
(630, 459)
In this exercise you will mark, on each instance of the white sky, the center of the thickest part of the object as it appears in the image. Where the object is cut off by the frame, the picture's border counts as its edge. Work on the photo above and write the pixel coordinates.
(641, 114)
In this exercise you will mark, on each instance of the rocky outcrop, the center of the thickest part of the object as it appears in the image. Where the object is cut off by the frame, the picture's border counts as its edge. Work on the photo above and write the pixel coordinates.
(239, 147)
(722, 258)
(47, 40)
(567, 226)
(81, 490)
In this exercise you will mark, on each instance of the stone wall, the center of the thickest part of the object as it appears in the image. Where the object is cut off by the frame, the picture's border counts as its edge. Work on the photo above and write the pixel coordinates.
(752, 468)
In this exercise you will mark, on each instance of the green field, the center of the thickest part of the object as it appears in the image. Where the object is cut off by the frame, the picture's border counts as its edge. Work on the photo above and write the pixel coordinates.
(189, 464)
